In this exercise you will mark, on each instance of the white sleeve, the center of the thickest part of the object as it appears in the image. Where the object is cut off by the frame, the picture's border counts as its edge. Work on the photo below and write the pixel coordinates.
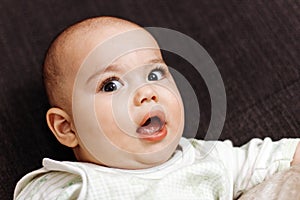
(250, 164)
(51, 185)
(255, 161)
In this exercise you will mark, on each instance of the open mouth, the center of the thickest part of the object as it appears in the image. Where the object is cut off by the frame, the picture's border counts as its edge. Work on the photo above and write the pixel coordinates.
(153, 127)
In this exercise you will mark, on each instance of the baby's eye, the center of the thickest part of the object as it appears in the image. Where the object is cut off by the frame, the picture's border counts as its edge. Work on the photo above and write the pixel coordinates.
(156, 75)
(111, 84)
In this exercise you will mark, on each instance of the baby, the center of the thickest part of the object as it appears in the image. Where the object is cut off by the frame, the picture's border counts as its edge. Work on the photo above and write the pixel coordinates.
(115, 103)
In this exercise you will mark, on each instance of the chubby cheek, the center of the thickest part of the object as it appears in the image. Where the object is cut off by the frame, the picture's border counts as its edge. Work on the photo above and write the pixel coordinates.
(105, 118)
(110, 124)
(175, 113)
(104, 113)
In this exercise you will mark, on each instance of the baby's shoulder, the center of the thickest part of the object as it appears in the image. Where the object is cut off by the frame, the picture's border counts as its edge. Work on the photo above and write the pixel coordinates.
(48, 184)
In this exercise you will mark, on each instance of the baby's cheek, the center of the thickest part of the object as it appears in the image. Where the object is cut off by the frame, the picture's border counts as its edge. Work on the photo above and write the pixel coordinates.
(174, 106)
(103, 111)
(173, 99)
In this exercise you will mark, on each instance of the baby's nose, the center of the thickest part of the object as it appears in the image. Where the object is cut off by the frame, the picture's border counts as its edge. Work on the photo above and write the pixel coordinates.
(145, 94)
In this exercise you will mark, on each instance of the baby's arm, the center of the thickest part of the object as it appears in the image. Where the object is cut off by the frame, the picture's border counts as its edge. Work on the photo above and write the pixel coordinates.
(283, 185)
(263, 159)
(296, 158)
(256, 161)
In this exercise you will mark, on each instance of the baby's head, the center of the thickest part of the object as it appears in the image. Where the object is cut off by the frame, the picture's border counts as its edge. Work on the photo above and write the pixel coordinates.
(114, 101)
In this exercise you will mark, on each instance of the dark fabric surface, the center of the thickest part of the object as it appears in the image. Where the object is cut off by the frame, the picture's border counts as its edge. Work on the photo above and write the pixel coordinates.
(255, 45)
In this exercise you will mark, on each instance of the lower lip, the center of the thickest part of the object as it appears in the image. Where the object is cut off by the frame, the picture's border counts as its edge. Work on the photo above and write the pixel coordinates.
(156, 136)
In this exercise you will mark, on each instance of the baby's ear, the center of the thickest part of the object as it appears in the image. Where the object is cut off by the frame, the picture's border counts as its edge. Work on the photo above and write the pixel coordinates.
(61, 126)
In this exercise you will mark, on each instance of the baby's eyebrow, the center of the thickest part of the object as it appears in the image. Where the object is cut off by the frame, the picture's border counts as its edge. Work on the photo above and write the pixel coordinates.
(157, 60)
(110, 68)
(113, 68)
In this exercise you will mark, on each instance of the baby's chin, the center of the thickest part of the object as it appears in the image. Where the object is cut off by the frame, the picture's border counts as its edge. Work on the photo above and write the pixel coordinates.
(156, 155)
(144, 162)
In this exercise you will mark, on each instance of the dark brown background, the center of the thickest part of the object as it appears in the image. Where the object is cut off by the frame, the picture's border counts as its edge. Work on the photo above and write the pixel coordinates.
(255, 45)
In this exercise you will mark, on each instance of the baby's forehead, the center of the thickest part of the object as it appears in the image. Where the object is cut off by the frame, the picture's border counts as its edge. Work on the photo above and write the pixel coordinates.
(120, 46)
(82, 43)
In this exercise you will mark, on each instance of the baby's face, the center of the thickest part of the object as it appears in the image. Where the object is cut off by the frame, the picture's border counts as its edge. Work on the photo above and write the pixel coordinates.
(127, 110)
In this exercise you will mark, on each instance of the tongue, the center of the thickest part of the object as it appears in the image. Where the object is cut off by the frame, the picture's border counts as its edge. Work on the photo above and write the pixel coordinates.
(150, 127)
